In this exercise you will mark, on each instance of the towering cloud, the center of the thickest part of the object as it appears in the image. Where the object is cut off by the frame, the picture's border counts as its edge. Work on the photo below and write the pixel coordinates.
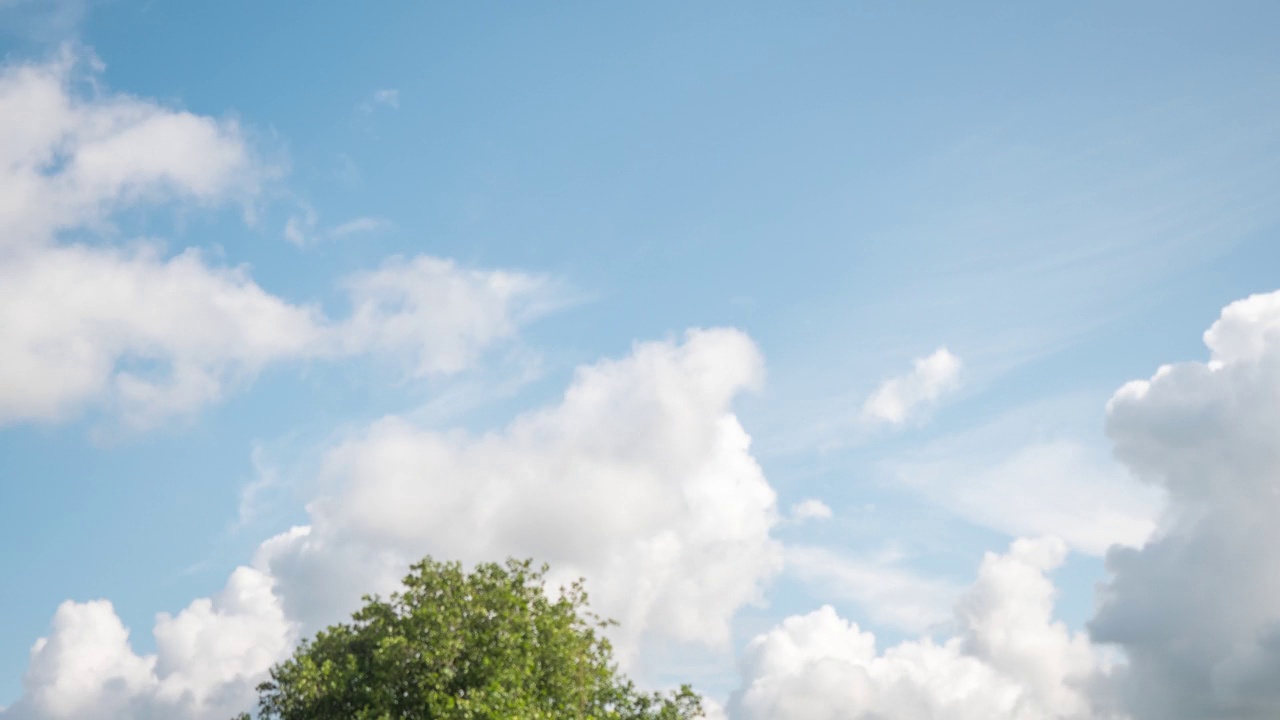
(1197, 610)
(640, 479)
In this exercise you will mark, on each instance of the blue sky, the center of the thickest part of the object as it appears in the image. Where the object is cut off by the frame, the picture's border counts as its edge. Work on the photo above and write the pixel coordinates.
(1064, 198)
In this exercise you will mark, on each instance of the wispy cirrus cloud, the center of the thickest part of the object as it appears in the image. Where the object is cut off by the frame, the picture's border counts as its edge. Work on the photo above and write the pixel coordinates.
(302, 227)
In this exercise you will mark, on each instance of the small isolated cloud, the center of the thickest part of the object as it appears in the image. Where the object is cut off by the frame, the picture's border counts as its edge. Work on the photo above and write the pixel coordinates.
(360, 226)
(301, 229)
(810, 509)
(902, 398)
(384, 98)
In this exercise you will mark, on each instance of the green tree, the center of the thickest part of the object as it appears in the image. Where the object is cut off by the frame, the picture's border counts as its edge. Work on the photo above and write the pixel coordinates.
(487, 645)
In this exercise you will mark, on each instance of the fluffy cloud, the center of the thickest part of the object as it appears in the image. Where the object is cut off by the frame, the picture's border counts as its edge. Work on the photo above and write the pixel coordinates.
(640, 479)
(436, 315)
(208, 659)
(1197, 610)
(155, 337)
(901, 398)
(152, 335)
(70, 317)
(67, 160)
(1008, 660)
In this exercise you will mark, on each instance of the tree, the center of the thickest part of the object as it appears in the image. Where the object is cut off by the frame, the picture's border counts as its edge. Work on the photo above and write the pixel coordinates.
(487, 645)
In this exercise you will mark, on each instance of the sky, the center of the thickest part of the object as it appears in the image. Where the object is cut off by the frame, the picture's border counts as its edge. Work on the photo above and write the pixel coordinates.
(867, 359)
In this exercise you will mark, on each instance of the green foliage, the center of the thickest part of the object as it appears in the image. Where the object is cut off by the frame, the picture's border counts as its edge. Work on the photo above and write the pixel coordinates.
(488, 645)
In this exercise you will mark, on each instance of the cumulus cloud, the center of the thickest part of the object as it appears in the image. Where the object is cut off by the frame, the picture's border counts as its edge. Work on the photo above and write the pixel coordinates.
(151, 335)
(902, 398)
(640, 479)
(1197, 609)
(208, 659)
(68, 159)
(71, 318)
(1008, 660)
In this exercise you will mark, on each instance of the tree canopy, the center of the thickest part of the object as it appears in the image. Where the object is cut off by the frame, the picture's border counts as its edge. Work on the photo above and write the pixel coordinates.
(490, 644)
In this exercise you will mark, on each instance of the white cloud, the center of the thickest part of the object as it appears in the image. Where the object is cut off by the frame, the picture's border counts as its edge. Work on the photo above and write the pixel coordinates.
(436, 315)
(78, 323)
(640, 479)
(1197, 609)
(156, 337)
(901, 398)
(68, 161)
(208, 659)
(360, 226)
(149, 335)
(810, 509)
(1009, 660)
